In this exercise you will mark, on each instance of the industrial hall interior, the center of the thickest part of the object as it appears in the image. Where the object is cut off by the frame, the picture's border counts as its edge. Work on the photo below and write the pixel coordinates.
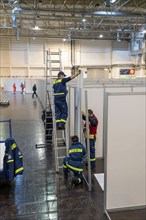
(72, 110)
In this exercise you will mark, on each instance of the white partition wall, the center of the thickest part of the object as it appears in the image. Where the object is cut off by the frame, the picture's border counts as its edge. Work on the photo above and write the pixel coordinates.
(125, 150)
(95, 102)
(96, 94)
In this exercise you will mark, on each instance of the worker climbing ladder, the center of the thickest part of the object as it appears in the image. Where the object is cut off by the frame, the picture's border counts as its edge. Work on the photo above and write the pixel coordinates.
(59, 137)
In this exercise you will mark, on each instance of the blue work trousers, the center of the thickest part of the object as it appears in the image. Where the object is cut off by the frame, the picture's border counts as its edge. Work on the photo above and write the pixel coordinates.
(61, 111)
(66, 169)
(92, 152)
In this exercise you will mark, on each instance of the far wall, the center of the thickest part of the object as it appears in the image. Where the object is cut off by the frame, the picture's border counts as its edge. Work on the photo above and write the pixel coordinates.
(25, 58)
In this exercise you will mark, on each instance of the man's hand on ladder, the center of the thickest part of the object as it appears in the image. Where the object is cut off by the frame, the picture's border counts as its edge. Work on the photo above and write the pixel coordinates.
(79, 72)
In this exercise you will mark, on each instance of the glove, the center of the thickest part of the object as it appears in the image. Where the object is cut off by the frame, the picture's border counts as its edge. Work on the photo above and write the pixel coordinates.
(79, 72)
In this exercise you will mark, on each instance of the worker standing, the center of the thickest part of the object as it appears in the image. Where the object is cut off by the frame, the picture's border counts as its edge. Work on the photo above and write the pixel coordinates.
(93, 124)
(14, 88)
(74, 161)
(60, 93)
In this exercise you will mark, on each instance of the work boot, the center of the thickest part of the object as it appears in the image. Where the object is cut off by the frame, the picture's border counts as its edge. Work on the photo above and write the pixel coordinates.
(76, 180)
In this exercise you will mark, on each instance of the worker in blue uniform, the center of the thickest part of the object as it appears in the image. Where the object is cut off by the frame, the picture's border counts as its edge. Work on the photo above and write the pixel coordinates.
(74, 161)
(13, 160)
(60, 93)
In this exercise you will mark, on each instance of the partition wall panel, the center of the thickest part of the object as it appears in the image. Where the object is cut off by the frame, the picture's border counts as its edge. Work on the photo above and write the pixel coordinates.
(95, 102)
(125, 150)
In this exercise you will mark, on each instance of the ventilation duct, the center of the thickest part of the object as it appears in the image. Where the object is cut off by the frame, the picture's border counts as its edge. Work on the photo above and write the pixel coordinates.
(8, 1)
(15, 11)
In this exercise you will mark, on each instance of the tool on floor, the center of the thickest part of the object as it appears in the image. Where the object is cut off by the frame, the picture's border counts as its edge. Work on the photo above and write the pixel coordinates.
(4, 102)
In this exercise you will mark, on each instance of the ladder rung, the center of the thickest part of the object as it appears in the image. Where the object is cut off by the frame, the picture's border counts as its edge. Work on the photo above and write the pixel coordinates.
(59, 148)
(53, 69)
(55, 61)
(54, 53)
(61, 139)
(61, 143)
(61, 157)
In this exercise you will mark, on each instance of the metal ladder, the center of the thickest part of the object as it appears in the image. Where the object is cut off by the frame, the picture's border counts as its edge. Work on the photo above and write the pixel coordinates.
(59, 137)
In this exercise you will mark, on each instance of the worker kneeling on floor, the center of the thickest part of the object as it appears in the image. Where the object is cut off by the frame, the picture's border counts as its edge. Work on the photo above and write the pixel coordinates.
(74, 161)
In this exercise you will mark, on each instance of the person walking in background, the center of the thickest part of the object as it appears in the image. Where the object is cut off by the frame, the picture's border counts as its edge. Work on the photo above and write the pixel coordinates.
(14, 88)
(22, 88)
(93, 124)
(60, 93)
(34, 89)
(74, 162)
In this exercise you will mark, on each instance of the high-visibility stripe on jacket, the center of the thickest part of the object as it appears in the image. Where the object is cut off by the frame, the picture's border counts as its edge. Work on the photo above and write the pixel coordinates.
(59, 87)
(77, 153)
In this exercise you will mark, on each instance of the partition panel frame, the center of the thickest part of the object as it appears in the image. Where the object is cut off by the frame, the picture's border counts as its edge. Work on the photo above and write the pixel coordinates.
(105, 129)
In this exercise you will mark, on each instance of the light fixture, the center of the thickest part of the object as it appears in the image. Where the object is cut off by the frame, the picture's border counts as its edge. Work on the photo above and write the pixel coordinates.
(83, 20)
(64, 39)
(36, 27)
(109, 2)
(101, 35)
(15, 2)
(113, 1)
(33, 38)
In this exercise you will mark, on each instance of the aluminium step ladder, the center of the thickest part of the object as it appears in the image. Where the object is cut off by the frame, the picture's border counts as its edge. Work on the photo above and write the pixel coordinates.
(59, 137)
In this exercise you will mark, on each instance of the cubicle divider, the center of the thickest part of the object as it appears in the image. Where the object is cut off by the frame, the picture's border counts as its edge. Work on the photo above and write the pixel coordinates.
(41, 84)
(125, 151)
(96, 103)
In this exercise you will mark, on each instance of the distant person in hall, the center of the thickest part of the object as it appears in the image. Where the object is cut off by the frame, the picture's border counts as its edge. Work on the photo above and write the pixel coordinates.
(34, 89)
(14, 88)
(22, 88)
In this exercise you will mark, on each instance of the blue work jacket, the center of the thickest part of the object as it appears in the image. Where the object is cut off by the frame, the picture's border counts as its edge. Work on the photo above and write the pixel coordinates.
(77, 153)
(59, 87)
(13, 160)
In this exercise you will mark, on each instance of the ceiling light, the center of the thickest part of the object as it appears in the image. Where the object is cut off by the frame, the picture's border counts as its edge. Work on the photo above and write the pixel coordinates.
(64, 39)
(107, 13)
(33, 38)
(113, 1)
(83, 19)
(15, 2)
(36, 27)
(144, 31)
(101, 35)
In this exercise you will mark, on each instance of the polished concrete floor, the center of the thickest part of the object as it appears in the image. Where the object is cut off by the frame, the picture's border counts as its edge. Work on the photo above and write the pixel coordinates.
(40, 193)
